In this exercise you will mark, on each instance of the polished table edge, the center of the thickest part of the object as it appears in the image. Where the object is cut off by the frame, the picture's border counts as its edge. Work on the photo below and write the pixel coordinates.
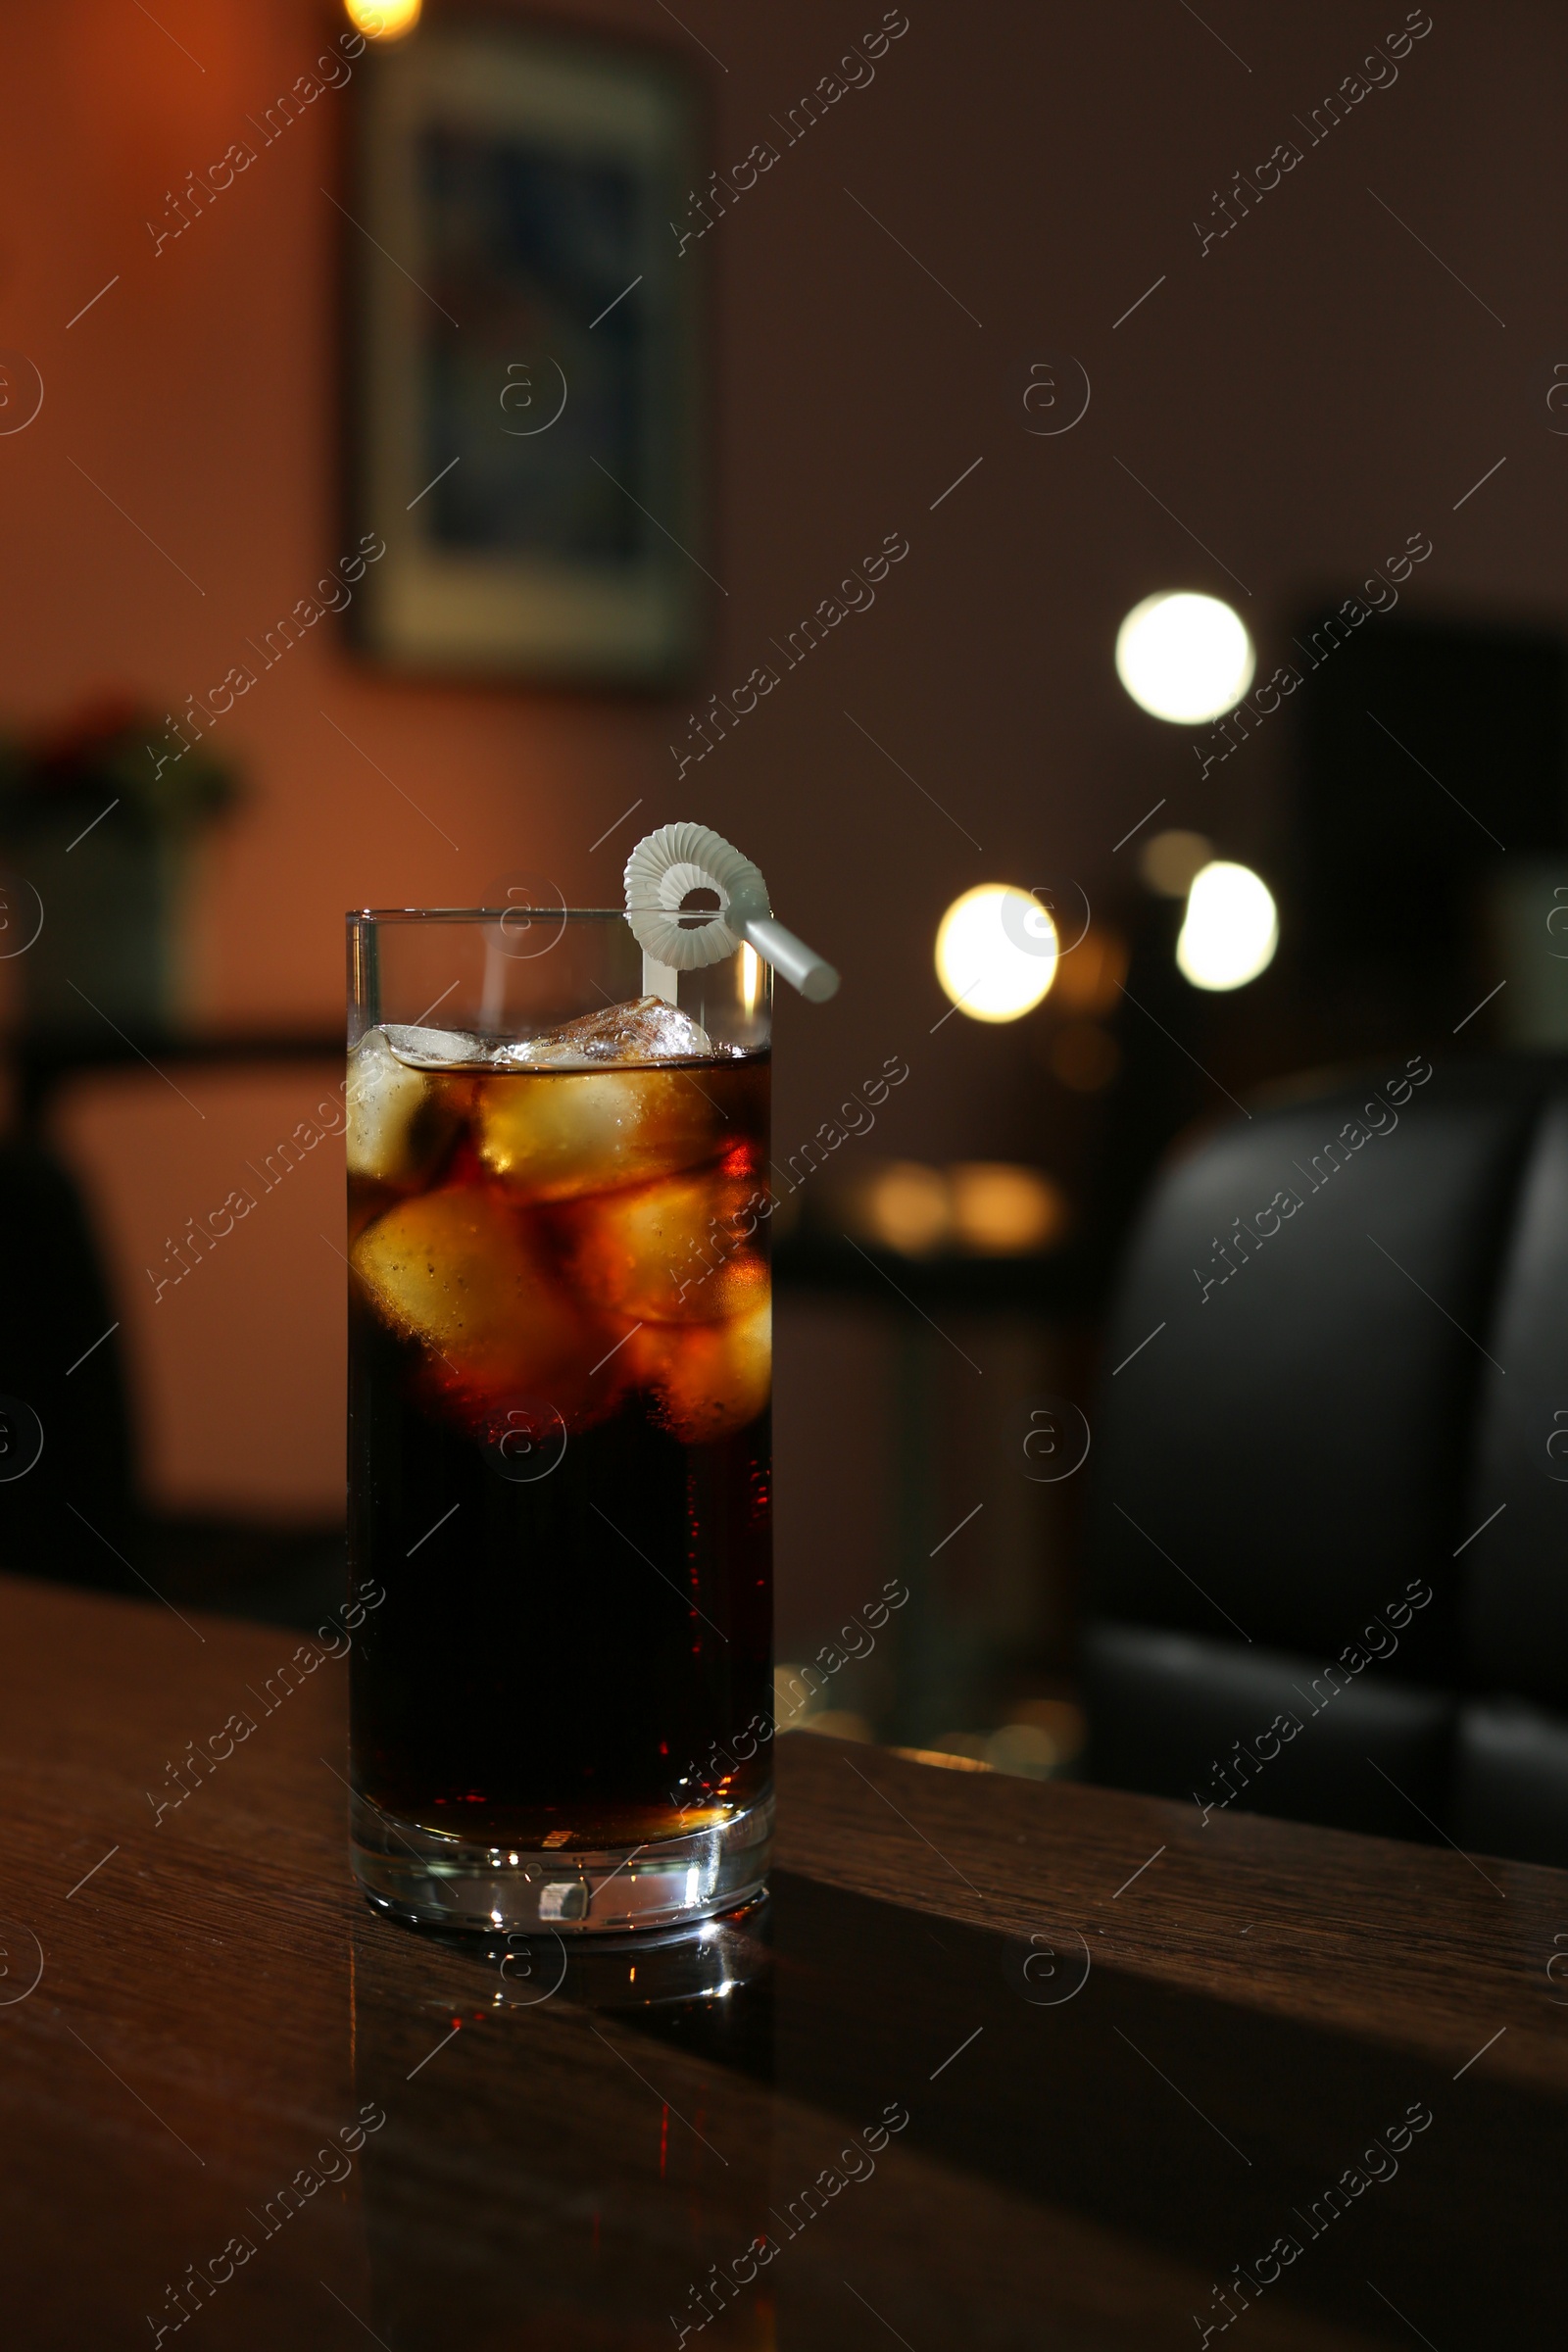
(1416, 1945)
(1412, 1945)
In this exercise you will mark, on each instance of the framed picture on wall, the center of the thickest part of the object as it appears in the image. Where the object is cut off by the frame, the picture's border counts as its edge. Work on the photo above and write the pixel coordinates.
(526, 384)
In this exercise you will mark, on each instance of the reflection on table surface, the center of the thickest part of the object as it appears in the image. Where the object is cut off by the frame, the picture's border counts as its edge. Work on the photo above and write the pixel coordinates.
(996, 2064)
(877, 2123)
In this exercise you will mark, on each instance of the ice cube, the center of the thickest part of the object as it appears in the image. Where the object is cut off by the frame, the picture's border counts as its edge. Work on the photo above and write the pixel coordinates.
(435, 1049)
(646, 1029)
(709, 1379)
(399, 1123)
(555, 1134)
(678, 1252)
(460, 1271)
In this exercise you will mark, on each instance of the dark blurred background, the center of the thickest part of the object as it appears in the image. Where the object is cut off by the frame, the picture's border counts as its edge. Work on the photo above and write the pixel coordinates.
(1293, 388)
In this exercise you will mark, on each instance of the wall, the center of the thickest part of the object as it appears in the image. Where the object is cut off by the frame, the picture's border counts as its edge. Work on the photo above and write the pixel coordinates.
(1294, 401)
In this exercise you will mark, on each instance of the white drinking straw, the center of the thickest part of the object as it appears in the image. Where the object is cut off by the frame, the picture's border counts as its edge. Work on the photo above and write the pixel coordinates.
(802, 967)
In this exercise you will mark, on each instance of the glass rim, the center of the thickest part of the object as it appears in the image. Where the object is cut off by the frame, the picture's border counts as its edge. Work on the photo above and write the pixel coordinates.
(489, 914)
(689, 918)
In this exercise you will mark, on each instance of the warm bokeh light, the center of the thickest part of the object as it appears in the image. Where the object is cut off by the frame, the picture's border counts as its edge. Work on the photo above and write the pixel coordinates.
(751, 976)
(906, 1207)
(1040, 1738)
(996, 951)
(1231, 928)
(1170, 861)
(1184, 658)
(383, 19)
(1089, 979)
(1003, 1210)
(983, 1207)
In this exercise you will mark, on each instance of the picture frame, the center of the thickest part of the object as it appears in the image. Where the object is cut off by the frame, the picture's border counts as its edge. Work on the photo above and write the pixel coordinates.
(526, 390)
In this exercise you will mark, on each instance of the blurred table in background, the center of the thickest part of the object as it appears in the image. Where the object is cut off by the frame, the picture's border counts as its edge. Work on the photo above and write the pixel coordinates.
(178, 1323)
(42, 1062)
(931, 1373)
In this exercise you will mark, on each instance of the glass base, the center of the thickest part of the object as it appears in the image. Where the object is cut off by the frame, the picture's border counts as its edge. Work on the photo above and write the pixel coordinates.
(429, 1880)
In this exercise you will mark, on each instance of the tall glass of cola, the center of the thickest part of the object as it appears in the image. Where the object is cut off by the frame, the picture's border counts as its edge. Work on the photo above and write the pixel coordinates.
(559, 1363)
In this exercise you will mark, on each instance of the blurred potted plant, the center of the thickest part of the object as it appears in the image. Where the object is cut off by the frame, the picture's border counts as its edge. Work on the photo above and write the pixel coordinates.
(101, 818)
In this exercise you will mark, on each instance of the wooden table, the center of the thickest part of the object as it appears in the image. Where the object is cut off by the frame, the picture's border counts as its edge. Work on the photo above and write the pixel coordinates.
(1133, 2053)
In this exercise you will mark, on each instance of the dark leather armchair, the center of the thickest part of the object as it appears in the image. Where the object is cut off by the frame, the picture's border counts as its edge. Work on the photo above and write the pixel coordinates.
(1328, 1529)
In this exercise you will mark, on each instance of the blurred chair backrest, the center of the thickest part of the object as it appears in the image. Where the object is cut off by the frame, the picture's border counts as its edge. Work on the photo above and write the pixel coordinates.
(65, 1512)
(1326, 1519)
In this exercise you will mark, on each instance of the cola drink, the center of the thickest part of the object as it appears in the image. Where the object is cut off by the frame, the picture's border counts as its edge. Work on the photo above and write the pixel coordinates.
(560, 1464)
